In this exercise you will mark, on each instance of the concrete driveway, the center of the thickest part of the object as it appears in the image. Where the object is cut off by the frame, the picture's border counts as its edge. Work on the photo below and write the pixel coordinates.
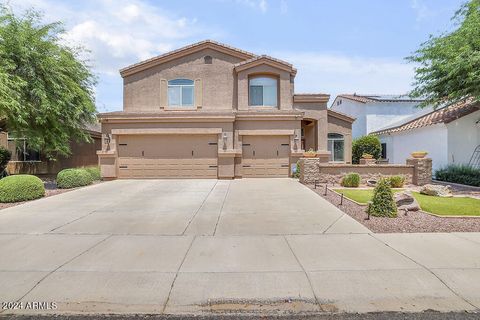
(207, 246)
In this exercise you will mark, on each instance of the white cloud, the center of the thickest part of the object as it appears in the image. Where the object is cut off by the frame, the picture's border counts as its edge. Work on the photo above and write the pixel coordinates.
(337, 73)
(118, 32)
(261, 5)
(421, 10)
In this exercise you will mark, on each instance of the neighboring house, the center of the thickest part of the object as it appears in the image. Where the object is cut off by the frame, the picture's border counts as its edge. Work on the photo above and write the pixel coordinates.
(27, 161)
(373, 112)
(449, 135)
(209, 110)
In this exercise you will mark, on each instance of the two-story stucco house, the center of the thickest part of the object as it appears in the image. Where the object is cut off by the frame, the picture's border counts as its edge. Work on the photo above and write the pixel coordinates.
(209, 110)
(373, 112)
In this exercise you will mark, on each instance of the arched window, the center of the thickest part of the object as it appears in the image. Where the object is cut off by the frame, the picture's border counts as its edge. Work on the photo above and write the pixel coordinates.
(207, 59)
(180, 93)
(263, 91)
(336, 146)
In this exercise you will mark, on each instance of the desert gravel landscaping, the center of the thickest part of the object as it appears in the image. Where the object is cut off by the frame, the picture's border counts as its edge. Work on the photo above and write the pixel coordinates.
(418, 221)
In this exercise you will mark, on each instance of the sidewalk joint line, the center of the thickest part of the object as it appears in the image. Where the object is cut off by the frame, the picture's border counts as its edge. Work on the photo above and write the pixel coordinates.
(305, 272)
(336, 220)
(63, 264)
(429, 270)
(176, 275)
(199, 208)
(221, 209)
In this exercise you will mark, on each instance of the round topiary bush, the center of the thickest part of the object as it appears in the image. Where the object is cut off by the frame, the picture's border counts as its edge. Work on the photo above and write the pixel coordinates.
(72, 178)
(21, 187)
(94, 172)
(383, 204)
(351, 180)
(366, 145)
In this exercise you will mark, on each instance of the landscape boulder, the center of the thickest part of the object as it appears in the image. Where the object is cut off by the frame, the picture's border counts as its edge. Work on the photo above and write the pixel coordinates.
(405, 201)
(436, 190)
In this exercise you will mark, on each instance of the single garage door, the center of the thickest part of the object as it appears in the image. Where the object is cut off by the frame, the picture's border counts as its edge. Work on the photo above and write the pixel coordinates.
(167, 156)
(265, 156)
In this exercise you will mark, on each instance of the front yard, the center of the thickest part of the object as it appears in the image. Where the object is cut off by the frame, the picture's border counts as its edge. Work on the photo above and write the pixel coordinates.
(454, 206)
(413, 221)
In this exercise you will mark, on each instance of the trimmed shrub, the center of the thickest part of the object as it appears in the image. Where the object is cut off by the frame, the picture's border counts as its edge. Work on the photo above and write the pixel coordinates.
(94, 172)
(5, 156)
(366, 145)
(72, 178)
(396, 181)
(351, 180)
(459, 174)
(296, 173)
(21, 187)
(383, 204)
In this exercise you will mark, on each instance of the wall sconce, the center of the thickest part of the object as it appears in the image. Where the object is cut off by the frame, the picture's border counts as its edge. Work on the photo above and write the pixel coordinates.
(107, 140)
(224, 137)
(295, 144)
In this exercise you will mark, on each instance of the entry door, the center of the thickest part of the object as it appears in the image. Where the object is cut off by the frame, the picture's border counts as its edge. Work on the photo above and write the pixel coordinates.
(265, 156)
(167, 156)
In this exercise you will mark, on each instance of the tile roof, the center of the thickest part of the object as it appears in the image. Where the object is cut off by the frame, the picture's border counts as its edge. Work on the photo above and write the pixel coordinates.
(340, 115)
(263, 56)
(366, 98)
(443, 115)
(215, 43)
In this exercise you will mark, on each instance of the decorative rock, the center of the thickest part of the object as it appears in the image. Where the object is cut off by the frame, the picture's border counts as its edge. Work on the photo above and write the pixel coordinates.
(405, 201)
(371, 183)
(436, 190)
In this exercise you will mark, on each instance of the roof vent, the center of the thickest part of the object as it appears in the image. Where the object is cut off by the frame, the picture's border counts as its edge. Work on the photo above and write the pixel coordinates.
(208, 59)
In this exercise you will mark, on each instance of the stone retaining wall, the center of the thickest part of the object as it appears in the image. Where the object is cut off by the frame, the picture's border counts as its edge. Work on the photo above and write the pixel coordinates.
(417, 172)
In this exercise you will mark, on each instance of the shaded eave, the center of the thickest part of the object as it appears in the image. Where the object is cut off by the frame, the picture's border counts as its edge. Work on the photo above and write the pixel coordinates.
(311, 98)
(444, 115)
(172, 55)
(340, 115)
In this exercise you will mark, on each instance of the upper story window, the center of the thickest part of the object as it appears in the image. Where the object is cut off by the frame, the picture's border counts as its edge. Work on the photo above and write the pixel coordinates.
(263, 91)
(336, 146)
(180, 93)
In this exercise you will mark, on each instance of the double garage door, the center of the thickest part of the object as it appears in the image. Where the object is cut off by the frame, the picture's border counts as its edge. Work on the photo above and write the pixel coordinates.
(167, 156)
(196, 156)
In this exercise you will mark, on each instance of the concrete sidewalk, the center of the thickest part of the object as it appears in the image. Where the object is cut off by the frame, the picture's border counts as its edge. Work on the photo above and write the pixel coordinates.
(222, 257)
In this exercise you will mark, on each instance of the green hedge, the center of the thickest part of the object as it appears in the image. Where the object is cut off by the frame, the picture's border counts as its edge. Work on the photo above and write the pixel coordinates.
(72, 178)
(351, 180)
(366, 144)
(94, 172)
(21, 187)
(459, 174)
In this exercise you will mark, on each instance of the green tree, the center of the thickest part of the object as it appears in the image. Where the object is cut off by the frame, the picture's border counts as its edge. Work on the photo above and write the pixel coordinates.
(367, 144)
(449, 65)
(46, 89)
(383, 204)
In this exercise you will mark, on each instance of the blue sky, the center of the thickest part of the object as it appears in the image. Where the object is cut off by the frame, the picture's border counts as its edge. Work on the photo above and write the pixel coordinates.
(341, 46)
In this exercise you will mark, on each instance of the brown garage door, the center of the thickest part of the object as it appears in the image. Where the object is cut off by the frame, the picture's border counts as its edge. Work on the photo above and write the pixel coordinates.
(265, 156)
(167, 156)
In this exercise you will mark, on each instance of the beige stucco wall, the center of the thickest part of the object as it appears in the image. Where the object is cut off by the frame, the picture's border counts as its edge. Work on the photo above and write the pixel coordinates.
(343, 127)
(143, 90)
(285, 88)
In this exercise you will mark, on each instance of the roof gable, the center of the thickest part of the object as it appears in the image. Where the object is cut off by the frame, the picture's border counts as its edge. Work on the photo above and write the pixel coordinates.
(265, 60)
(372, 98)
(172, 55)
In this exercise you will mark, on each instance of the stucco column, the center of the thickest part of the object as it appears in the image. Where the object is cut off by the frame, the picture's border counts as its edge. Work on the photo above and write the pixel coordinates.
(322, 131)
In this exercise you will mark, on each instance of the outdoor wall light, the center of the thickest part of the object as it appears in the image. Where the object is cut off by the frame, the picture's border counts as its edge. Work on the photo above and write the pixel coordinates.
(107, 141)
(224, 137)
(295, 144)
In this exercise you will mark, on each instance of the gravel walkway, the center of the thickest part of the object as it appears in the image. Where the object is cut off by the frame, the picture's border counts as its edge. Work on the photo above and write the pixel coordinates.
(413, 222)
